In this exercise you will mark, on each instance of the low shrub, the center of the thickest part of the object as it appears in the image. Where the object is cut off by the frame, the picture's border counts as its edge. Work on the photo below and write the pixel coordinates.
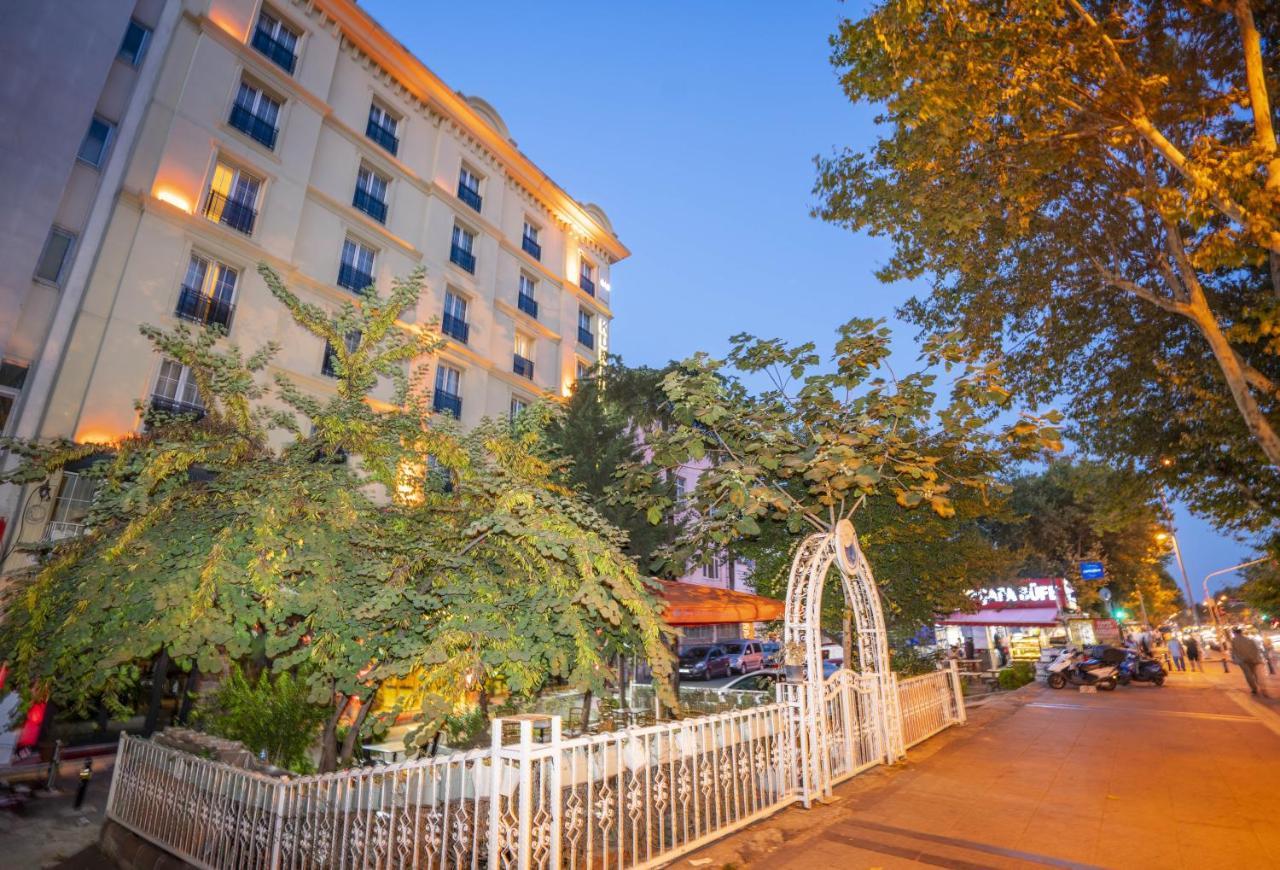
(274, 715)
(1016, 675)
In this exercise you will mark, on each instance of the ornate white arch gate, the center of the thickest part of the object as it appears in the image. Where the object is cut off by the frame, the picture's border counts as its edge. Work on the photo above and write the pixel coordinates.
(834, 713)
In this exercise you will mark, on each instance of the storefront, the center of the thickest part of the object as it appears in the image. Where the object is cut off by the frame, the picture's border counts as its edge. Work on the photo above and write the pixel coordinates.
(1023, 616)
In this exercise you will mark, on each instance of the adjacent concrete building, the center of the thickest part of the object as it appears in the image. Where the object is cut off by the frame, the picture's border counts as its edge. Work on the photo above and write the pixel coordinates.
(303, 135)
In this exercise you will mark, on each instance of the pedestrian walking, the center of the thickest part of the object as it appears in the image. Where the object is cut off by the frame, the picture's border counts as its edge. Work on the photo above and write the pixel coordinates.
(1193, 653)
(1176, 652)
(1248, 656)
(1269, 653)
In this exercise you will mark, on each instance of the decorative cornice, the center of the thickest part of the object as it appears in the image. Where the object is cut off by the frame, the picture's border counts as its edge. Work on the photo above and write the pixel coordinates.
(433, 95)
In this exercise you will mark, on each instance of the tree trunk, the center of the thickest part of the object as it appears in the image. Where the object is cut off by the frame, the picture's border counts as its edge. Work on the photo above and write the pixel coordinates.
(159, 676)
(1229, 363)
(586, 711)
(190, 686)
(353, 733)
(329, 737)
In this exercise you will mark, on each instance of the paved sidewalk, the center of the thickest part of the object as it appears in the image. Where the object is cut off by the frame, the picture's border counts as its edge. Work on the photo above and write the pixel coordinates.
(1182, 776)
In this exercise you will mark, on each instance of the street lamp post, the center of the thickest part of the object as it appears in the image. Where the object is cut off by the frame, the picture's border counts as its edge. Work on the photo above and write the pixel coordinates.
(1186, 583)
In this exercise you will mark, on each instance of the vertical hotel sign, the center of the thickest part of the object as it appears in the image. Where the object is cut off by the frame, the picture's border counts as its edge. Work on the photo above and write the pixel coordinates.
(1034, 592)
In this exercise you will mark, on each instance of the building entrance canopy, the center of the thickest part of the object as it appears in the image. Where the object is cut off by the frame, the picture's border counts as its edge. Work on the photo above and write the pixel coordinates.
(689, 604)
(1006, 616)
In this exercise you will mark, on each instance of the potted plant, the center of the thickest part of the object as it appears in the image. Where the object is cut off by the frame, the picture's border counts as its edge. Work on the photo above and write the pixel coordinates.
(793, 661)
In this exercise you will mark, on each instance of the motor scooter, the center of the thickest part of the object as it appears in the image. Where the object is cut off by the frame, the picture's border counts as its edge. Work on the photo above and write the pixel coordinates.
(1137, 668)
(1075, 668)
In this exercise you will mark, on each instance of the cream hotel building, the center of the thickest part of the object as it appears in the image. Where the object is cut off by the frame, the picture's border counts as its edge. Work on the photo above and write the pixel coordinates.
(304, 135)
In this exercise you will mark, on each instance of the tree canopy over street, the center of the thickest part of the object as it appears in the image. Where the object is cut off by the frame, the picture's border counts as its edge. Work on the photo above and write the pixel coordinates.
(374, 542)
(1093, 188)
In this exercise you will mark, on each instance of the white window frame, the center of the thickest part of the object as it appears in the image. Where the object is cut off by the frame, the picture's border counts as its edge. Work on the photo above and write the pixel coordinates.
(280, 28)
(372, 182)
(213, 283)
(386, 118)
(355, 253)
(462, 234)
(530, 231)
(524, 346)
(67, 255)
(527, 286)
(446, 372)
(184, 382)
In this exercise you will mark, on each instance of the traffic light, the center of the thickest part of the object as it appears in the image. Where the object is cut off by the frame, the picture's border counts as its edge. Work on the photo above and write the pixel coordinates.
(1120, 614)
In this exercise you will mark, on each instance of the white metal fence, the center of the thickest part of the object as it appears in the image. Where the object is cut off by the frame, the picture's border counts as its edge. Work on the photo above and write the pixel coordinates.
(633, 798)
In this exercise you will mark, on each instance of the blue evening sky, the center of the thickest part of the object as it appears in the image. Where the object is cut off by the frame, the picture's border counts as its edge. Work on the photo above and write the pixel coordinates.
(694, 126)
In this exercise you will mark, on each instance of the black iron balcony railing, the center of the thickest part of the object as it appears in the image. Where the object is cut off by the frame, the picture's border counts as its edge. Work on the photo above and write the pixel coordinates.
(587, 284)
(523, 367)
(370, 205)
(165, 405)
(447, 403)
(527, 304)
(279, 53)
(469, 196)
(455, 327)
(227, 211)
(199, 308)
(532, 248)
(354, 279)
(256, 128)
(382, 135)
(463, 258)
(586, 337)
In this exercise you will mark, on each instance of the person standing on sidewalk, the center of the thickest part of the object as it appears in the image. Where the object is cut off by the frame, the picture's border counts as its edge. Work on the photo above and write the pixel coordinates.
(1269, 653)
(1175, 651)
(1193, 653)
(1247, 655)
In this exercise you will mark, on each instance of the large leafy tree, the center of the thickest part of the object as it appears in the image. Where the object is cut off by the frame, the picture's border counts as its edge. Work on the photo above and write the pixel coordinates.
(833, 437)
(1077, 510)
(601, 430)
(373, 544)
(1094, 187)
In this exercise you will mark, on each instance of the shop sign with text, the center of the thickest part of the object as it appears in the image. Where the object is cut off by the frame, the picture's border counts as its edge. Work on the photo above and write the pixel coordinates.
(1038, 592)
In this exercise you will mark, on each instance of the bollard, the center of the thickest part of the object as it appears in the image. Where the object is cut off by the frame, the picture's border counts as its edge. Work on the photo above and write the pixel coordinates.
(86, 774)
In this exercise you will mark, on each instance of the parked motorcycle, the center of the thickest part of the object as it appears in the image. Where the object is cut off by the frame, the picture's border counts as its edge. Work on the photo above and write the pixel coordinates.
(1131, 665)
(1075, 668)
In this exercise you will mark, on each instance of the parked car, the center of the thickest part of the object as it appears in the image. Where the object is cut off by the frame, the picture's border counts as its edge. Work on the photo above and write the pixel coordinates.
(745, 656)
(704, 663)
(764, 680)
(772, 653)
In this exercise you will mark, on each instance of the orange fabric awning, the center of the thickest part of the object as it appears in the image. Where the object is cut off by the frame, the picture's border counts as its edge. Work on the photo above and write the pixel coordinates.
(691, 604)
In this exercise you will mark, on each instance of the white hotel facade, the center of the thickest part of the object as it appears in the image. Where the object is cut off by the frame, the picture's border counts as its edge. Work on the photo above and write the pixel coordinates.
(304, 135)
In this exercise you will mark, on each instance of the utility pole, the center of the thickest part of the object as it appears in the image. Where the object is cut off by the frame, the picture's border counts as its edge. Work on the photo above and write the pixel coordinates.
(1177, 552)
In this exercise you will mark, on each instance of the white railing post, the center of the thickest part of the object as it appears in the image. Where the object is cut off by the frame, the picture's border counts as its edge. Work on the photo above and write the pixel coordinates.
(962, 716)
(554, 795)
(277, 825)
(524, 830)
(495, 788)
(115, 772)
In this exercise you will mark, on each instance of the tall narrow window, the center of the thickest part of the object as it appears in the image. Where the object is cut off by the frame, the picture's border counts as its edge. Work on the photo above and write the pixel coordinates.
(233, 198)
(255, 114)
(56, 255)
(176, 391)
(93, 148)
(447, 397)
(276, 40)
(208, 292)
(12, 377)
(469, 188)
(371, 194)
(329, 365)
(454, 323)
(586, 336)
(518, 404)
(525, 297)
(523, 362)
(461, 253)
(134, 44)
(586, 276)
(356, 271)
(71, 509)
(383, 128)
(529, 241)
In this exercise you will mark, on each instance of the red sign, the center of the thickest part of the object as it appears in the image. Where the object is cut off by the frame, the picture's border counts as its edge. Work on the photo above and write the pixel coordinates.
(1106, 631)
(1034, 592)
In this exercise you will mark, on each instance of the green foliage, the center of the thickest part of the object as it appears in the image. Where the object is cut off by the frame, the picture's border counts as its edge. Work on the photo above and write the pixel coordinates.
(341, 555)
(1093, 189)
(830, 437)
(1078, 509)
(1016, 675)
(596, 434)
(272, 714)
